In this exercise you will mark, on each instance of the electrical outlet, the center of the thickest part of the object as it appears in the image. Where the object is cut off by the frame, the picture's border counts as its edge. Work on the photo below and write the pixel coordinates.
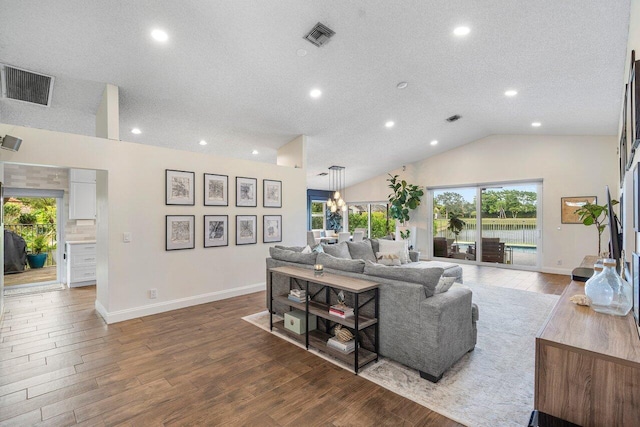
(559, 262)
(153, 293)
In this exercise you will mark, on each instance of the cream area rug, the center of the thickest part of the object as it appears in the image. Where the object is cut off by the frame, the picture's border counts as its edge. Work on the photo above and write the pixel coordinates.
(491, 386)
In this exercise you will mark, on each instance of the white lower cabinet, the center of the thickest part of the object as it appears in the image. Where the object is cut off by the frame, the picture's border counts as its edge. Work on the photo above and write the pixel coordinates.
(81, 263)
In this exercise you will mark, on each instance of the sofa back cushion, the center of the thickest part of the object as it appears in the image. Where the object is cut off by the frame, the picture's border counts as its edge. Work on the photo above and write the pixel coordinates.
(427, 277)
(361, 250)
(291, 248)
(291, 256)
(342, 264)
(341, 250)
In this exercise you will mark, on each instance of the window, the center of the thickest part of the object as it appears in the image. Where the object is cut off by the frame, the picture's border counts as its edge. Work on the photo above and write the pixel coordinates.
(317, 215)
(373, 217)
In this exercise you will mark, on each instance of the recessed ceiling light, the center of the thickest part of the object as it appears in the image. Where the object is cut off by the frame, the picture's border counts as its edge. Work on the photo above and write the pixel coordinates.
(461, 31)
(536, 124)
(434, 142)
(301, 52)
(402, 85)
(315, 93)
(136, 131)
(511, 92)
(254, 152)
(202, 142)
(390, 124)
(159, 35)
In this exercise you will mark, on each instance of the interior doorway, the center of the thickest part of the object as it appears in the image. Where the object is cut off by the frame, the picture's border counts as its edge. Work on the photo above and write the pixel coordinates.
(32, 230)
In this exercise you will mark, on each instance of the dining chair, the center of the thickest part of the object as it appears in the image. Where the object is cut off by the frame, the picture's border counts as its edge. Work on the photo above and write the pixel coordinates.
(358, 236)
(364, 231)
(344, 237)
(311, 239)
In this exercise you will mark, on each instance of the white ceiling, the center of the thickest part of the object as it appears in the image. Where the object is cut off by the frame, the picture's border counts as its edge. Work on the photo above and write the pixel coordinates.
(230, 73)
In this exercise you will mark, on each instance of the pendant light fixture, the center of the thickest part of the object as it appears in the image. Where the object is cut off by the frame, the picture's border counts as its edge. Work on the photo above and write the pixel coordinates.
(337, 184)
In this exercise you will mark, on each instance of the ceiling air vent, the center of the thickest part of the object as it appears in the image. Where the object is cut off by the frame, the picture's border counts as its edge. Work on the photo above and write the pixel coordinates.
(320, 34)
(453, 118)
(26, 86)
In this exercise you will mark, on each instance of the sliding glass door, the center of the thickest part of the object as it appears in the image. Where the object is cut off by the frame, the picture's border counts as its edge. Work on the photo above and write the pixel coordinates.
(496, 224)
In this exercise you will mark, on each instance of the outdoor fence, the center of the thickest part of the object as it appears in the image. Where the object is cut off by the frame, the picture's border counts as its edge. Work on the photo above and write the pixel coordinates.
(520, 232)
(29, 231)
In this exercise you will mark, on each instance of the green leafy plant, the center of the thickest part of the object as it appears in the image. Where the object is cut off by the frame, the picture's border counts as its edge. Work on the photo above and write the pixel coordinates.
(593, 214)
(405, 198)
(405, 234)
(27, 218)
(456, 224)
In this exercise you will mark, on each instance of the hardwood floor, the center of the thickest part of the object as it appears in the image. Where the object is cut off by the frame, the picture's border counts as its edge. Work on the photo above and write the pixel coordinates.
(31, 275)
(60, 364)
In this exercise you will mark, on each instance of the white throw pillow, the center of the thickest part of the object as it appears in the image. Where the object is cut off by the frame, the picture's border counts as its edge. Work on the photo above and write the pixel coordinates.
(389, 259)
(398, 246)
(307, 250)
(444, 284)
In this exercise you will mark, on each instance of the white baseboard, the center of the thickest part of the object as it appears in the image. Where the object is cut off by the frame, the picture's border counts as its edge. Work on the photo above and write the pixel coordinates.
(565, 271)
(161, 307)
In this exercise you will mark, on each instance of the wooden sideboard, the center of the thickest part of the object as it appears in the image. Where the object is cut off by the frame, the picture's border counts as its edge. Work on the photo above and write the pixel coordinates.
(588, 365)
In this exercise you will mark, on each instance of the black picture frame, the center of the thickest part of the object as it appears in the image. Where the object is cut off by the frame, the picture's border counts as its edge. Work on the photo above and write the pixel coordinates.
(271, 193)
(213, 238)
(177, 190)
(210, 192)
(246, 230)
(246, 192)
(176, 233)
(622, 149)
(271, 228)
(635, 260)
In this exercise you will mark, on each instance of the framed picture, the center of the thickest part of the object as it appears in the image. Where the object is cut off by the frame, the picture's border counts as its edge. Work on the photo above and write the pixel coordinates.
(216, 230)
(216, 190)
(636, 199)
(180, 232)
(271, 228)
(636, 287)
(246, 229)
(180, 186)
(246, 194)
(622, 149)
(570, 205)
(271, 193)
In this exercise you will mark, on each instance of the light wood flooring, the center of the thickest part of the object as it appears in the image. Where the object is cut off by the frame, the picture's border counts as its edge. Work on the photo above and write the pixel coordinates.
(61, 365)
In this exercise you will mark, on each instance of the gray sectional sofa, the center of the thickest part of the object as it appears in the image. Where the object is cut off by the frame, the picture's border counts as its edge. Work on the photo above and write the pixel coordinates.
(419, 328)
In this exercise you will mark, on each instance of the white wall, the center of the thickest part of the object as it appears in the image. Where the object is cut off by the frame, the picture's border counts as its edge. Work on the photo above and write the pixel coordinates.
(131, 196)
(568, 166)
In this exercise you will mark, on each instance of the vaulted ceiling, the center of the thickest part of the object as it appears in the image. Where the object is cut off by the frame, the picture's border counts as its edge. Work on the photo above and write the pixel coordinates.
(233, 73)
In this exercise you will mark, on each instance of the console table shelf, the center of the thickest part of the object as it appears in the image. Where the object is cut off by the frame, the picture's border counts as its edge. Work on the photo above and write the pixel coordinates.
(317, 339)
(322, 310)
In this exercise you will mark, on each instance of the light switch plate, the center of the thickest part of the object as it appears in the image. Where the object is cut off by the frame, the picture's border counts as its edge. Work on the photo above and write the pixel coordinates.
(126, 237)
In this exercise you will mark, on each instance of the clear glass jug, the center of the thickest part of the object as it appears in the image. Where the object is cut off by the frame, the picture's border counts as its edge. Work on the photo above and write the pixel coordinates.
(608, 292)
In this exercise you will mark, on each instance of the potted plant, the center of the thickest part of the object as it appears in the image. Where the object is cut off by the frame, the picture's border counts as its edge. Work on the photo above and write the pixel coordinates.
(456, 224)
(593, 214)
(37, 258)
(405, 198)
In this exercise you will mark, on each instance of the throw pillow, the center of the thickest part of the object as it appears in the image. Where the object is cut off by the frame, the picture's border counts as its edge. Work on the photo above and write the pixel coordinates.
(388, 259)
(351, 265)
(318, 249)
(400, 246)
(307, 250)
(291, 256)
(361, 250)
(444, 284)
(427, 277)
(341, 250)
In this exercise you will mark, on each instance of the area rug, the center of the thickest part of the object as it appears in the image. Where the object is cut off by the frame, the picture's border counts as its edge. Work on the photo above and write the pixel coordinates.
(491, 386)
(33, 289)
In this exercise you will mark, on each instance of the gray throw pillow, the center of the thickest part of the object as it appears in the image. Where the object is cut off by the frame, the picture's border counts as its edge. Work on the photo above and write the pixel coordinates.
(291, 256)
(341, 250)
(361, 250)
(375, 246)
(427, 277)
(291, 248)
(351, 265)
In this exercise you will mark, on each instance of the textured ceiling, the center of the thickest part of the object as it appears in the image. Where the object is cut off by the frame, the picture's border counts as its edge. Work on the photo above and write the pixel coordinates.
(230, 74)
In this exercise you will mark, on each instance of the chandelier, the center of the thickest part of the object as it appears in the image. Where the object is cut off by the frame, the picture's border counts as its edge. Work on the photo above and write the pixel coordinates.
(337, 184)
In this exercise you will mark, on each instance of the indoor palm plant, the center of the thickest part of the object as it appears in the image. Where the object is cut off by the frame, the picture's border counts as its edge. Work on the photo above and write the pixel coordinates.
(37, 258)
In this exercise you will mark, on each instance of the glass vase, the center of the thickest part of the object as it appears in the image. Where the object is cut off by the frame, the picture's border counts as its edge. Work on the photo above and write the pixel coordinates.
(609, 293)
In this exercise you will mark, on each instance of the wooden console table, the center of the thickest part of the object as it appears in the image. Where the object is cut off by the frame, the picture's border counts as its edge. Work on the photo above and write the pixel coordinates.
(588, 365)
(318, 339)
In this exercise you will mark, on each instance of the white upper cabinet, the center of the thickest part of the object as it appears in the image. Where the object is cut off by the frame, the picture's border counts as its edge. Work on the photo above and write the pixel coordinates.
(82, 194)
